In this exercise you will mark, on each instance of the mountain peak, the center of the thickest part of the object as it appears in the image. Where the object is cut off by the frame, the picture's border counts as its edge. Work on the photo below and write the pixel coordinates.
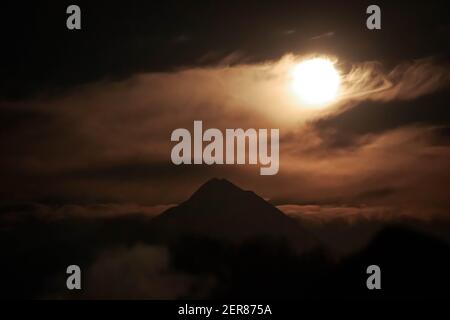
(220, 209)
(214, 188)
(218, 182)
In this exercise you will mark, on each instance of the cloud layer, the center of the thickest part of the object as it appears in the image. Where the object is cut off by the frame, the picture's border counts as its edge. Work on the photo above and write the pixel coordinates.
(109, 142)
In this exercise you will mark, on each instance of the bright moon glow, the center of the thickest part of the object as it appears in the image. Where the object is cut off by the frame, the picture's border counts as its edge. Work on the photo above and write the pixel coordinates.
(316, 81)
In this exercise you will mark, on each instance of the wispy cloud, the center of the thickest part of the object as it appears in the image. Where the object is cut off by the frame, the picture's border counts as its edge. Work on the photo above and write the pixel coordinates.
(95, 142)
(409, 80)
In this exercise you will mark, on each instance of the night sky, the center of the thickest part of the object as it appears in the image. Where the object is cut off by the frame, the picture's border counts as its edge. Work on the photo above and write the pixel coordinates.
(86, 115)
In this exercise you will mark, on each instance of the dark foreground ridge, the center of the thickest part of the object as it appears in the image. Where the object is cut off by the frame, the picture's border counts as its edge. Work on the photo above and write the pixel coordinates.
(223, 242)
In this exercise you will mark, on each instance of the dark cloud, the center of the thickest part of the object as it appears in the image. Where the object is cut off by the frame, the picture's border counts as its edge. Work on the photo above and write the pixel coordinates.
(120, 39)
(375, 117)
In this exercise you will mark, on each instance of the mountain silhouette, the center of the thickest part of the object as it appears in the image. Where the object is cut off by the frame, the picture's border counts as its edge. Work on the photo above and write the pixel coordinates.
(221, 210)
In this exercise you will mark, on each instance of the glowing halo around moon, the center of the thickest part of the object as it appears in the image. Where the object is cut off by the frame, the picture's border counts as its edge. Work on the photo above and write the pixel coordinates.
(316, 82)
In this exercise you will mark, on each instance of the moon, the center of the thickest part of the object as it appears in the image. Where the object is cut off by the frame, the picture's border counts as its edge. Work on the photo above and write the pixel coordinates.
(316, 82)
